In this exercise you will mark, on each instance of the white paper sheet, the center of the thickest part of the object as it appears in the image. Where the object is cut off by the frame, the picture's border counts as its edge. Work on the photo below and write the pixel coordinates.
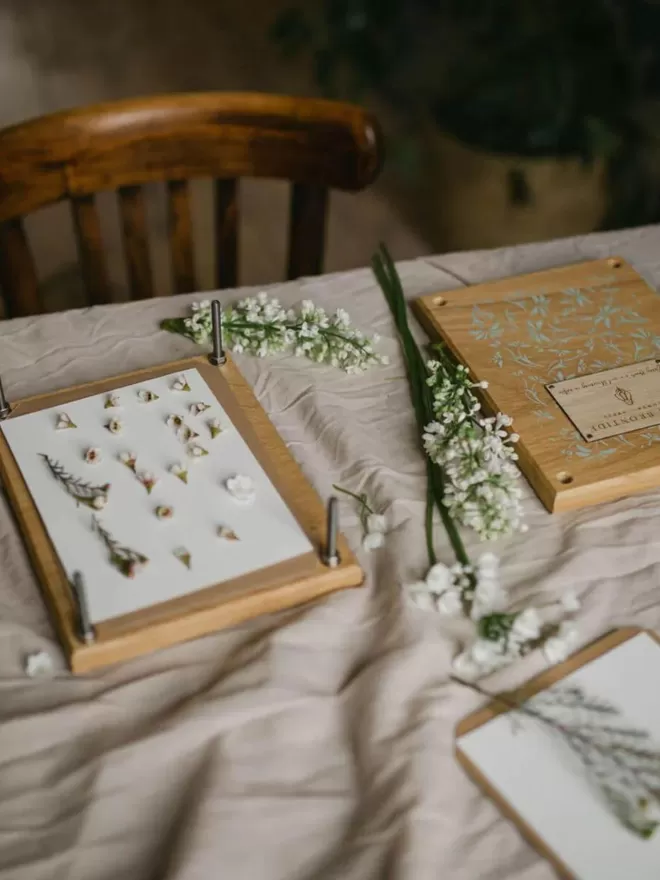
(267, 530)
(545, 782)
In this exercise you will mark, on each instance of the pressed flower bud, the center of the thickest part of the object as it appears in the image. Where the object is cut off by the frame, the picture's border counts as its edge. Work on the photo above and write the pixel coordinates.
(147, 396)
(64, 422)
(227, 534)
(180, 384)
(197, 409)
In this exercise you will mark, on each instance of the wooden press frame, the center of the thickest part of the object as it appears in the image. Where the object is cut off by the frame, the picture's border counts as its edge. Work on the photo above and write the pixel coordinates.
(559, 485)
(530, 689)
(270, 589)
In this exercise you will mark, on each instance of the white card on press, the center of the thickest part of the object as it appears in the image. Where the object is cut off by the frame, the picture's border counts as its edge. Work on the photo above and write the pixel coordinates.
(542, 779)
(268, 532)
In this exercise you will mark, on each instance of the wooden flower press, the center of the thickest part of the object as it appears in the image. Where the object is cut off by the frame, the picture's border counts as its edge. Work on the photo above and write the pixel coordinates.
(89, 644)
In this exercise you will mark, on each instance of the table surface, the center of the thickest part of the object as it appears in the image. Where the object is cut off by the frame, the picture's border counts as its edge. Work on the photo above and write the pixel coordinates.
(317, 743)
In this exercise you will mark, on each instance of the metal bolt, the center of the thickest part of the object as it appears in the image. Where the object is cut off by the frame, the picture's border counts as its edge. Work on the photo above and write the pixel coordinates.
(217, 356)
(5, 409)
(86, 629)
(330, 556)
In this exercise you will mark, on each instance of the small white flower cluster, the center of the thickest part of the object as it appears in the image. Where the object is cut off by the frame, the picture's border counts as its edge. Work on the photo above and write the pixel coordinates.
(476, 454)
(375, 526)
(475, 592)
(260, 326)
(39, 664)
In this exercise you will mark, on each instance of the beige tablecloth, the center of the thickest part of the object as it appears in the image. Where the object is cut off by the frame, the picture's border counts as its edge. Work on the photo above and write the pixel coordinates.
(318, 743)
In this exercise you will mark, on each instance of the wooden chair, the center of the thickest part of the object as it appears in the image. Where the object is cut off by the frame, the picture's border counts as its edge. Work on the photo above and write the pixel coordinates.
(123, 145)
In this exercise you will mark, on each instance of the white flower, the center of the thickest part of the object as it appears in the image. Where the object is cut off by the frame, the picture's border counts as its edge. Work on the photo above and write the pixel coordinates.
(418, 593)
(129, 459)
(376, 523)
(180, 384)
(115, 426)
(39, 664)
(195, 451)
(488, 597)
(148, 481)
(174, 421)
(438, 578)
(477, 456)
(99, 502)
(241, 488)
(181, 471)
(227, 534)
(147, 396)
(93, 456)
(527, 625)
(557, 648)
(112, 401)
(465, 666)
(373, 540)
(486, 653)
(215, 428)
(64, 422)
(488, 565)
(645, 814)
(164, 512)
(198, 408)
(570, 602)
(449, 603)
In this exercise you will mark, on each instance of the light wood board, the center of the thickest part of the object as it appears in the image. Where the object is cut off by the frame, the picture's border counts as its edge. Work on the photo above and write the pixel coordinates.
(521, 334)
(270, 589)
(500, 706)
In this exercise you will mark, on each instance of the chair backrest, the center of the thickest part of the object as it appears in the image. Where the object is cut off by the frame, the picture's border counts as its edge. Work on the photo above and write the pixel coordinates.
(123, 145)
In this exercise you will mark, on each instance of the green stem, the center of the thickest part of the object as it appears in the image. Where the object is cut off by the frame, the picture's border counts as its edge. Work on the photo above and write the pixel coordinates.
(390, 283)
(429, 515)
(359, 498)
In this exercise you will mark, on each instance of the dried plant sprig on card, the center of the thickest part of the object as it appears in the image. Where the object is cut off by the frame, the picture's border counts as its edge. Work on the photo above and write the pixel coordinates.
(621, 760)
(82, 492)
(124, 559)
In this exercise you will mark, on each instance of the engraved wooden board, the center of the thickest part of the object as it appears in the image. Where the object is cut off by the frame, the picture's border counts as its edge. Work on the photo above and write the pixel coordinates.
(526, 333)
(498, 707)
(270, 589)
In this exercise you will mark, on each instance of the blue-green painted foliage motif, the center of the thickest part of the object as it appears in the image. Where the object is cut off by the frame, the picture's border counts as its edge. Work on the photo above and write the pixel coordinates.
(595, 328)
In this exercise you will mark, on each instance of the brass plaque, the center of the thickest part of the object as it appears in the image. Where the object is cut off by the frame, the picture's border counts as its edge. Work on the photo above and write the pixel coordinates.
(611, 402)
